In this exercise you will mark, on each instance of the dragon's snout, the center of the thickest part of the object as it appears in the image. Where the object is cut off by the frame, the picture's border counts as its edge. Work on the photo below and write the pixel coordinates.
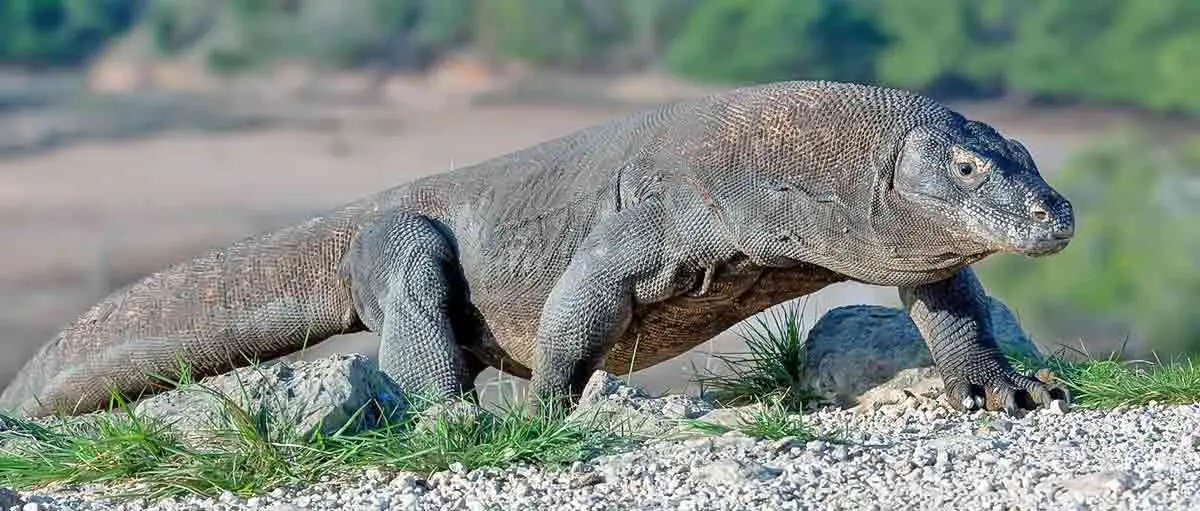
(1053, 226)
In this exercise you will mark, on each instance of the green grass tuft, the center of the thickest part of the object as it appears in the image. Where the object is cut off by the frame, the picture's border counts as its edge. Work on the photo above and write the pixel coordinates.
(772, 365)
(251, 455)
(770, 420)
(1111, 382)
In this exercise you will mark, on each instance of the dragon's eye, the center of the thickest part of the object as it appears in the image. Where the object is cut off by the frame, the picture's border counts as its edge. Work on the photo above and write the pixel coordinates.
(965, 168)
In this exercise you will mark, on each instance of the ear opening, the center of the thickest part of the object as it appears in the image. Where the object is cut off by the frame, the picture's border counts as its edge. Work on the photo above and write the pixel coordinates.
(912, 144)
(887, 168)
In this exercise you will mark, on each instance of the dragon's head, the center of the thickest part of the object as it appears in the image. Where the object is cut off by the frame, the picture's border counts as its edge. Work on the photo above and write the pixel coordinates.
(983, 188)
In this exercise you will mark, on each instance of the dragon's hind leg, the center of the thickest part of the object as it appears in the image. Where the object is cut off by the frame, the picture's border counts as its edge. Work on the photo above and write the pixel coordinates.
(406, 284)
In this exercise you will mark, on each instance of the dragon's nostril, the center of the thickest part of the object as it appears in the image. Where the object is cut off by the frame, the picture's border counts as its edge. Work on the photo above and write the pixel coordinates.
(1039, 213)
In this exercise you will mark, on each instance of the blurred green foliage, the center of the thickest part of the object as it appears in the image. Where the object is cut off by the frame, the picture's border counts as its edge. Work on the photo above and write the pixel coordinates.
(1122, 52)
(59, 32)
(580, 34)
(239, 34)
(1133, 265)
(767, 40)
(960, 45)
(562, 33)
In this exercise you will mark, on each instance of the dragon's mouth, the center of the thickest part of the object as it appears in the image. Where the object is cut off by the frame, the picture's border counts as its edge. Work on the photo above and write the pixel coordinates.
(1040, 247)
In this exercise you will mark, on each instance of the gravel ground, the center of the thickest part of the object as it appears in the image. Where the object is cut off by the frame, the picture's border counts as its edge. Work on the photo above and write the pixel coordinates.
(896, 458)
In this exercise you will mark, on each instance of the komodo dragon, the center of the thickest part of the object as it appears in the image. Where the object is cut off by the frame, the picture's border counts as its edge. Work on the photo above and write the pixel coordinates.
(619, 246)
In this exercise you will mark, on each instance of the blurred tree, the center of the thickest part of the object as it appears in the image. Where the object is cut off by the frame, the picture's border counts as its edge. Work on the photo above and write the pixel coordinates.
(1133, 264)
(240, 34)
(569, 34)
(653, 24)
(952, 46)
(177, 24)
(765, 40)
(407, 33)
(403, 33)
(1113, 51)
(60, 32)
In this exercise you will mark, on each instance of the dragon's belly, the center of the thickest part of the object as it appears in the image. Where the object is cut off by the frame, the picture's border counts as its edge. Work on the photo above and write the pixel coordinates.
(506, 339)
(668, 329)
(658, 331)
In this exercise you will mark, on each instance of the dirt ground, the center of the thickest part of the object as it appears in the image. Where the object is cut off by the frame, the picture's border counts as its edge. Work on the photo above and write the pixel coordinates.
(84, 219)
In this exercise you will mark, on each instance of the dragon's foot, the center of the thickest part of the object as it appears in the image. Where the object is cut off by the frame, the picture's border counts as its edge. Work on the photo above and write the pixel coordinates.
(1006, 390)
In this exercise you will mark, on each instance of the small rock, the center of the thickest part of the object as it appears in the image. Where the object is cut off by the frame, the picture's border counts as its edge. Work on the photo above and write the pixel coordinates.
(521, 490)
(731, 471)
(404, 481)
(608, 402)
(731, 417)
(943, 458)
(736, 439)
(407, 501)
(1058, 407)
(815, 446)
(603, 384)
(995, 426)
(964, 446)
(683, 407)
(703, 443)
(839, 453)
(373, 474)
(1099, 483)
(785, 444)
(31, 506)
(9, 499)
(923, 457)
(586, 479)
(1190, 442)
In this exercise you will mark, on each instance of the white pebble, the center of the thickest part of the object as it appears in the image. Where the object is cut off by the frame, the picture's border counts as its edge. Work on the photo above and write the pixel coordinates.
(1058, 407)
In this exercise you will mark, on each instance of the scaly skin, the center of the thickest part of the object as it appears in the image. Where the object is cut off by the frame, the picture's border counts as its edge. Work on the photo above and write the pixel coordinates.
(619, 246)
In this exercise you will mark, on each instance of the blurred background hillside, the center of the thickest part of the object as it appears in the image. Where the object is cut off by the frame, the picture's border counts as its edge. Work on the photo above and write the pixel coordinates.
(134, 133)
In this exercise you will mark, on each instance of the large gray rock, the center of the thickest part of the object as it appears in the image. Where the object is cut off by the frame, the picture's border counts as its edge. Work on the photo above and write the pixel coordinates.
(869, 355)
(307, 396)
